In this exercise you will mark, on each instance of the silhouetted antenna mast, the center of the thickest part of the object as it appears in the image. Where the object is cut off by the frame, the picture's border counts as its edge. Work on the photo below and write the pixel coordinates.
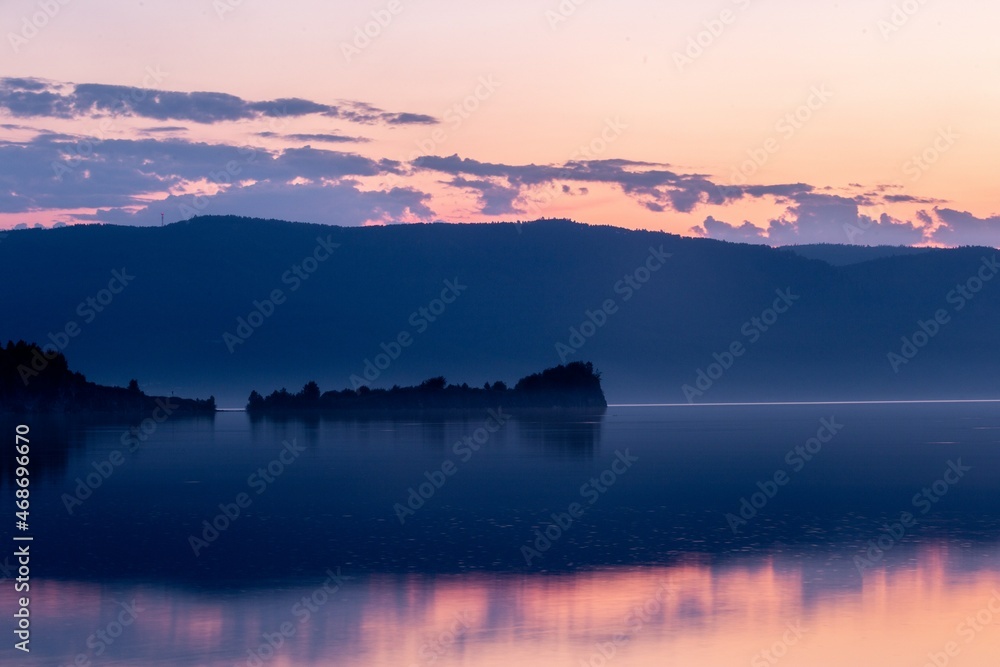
(161, 220)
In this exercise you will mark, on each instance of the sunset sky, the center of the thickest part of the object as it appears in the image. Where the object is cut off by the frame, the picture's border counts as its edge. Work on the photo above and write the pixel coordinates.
(771, 121)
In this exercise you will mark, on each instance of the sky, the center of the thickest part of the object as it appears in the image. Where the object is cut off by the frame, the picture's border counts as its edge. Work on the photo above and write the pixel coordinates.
(764, 121)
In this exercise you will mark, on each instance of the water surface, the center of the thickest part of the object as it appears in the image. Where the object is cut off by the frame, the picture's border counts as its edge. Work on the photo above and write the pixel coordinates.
(640, 562)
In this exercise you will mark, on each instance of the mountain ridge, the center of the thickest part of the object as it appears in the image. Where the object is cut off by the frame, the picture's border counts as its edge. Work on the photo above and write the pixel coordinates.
(349, 292)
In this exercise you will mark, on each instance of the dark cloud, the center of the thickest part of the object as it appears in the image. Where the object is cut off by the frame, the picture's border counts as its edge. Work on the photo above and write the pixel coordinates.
(820, 218)
(321, 138)
(118, 177)
(816, 218)
(308, 162)
(494, 198)
(164, 129)
(99, 99)
(340, 204)
(33, 98)
(723, 231)
(44, 175)
(328, 138)
(56, 172)
(781, 192)
(31, 104)
(619, 162)
(910, 199)
(960, 228)
(409, 119)
(289, 106)
(655, 188)
(455, 165)
(651, 185)
(17, 83)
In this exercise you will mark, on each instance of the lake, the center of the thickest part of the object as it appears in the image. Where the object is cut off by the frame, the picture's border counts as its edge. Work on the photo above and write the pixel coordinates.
(709, 535)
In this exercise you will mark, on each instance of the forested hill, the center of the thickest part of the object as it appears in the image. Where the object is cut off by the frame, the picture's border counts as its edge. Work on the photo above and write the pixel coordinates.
(34, 379)
(222, 305)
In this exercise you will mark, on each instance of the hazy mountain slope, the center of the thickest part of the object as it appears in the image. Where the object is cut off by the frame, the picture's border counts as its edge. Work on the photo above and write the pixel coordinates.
(519, 290)
(844, 255)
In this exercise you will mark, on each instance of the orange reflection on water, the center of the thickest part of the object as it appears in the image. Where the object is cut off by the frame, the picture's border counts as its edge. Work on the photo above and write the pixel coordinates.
(765, 611)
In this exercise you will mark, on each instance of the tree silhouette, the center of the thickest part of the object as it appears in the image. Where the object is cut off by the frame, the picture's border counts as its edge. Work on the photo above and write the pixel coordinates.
(36, 379)
(576, 385)
(310, 392)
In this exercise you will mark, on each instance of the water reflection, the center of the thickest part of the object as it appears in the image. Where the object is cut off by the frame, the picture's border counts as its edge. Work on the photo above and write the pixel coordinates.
(48, 461)
(338, 501)
(565, 435)
(56, 439)
(569, 435)
(693, 613)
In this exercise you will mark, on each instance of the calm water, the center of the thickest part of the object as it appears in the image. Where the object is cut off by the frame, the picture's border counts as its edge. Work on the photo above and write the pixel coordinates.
(874, 543)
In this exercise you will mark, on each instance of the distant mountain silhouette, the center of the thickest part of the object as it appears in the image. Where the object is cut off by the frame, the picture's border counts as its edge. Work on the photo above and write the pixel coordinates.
(845, 255)
(573, 386)
(33, 380)
(220, 305)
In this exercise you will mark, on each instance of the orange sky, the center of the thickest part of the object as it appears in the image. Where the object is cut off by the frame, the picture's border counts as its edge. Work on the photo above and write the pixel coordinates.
(701, 103)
